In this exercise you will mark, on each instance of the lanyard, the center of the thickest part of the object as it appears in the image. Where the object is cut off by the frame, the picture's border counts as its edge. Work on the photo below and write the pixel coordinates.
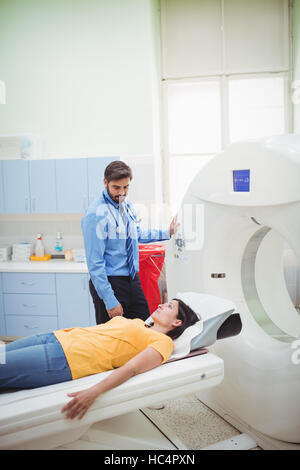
(108, 203)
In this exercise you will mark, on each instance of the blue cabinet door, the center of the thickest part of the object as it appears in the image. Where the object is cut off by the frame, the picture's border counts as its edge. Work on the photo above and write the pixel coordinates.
(95, 170)
(2, 318)
(27, 325)
(1, 189)
(72, 300)
(30, 304)
(28, 283)
(71, 185)
(16, 186)
(42, 186)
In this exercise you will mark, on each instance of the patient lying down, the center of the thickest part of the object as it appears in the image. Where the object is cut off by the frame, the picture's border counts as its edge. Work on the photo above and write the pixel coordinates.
(128, 346)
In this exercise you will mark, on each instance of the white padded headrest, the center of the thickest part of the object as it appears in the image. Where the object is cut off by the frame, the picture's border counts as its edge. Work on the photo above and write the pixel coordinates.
(205, 306)
(183, 343)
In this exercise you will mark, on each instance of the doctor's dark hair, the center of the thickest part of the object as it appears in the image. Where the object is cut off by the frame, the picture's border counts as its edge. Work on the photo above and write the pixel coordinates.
(117, 170)
(188, 318)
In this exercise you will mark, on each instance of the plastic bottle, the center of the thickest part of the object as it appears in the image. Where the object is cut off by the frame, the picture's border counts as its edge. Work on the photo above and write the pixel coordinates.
(39, 247)
(59, 243)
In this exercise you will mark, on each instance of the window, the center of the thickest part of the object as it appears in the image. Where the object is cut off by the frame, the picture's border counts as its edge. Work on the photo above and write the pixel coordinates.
(194, 119)
(225, 70)
(181, 173)
(256, 107)
(194, 131)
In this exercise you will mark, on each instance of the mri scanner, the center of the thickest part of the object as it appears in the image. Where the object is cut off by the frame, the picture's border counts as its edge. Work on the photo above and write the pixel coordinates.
(227, 263)
(238, 216)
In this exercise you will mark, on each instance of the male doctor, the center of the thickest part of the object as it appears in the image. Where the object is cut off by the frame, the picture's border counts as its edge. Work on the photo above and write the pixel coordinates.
(111, 236)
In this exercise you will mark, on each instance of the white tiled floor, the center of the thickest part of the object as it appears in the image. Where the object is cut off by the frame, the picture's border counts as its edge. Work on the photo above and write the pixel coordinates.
(194, 423)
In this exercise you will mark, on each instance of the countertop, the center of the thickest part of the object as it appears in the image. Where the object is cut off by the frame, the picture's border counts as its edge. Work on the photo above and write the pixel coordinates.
(51, 266)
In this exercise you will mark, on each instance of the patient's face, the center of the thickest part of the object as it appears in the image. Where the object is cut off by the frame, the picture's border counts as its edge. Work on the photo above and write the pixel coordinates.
(166, 314)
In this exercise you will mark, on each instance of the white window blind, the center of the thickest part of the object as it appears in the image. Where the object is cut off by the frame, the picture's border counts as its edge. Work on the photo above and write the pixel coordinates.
(256, 35)
(191, 37)
(224, 36)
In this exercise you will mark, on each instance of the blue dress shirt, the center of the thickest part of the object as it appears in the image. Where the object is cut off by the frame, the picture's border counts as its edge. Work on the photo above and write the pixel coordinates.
(104, 236)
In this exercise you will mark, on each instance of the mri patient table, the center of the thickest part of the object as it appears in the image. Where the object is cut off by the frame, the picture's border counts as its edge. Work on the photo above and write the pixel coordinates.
(118, 419)
(32, 419)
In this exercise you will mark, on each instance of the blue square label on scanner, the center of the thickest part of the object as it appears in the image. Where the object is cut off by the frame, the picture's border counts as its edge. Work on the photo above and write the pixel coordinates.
(241, 180)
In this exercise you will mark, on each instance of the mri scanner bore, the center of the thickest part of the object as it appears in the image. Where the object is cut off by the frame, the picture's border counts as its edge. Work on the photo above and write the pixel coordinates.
(249, 198)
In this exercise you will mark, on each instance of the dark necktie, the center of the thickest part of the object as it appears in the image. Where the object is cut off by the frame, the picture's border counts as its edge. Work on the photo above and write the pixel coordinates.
(129, 246)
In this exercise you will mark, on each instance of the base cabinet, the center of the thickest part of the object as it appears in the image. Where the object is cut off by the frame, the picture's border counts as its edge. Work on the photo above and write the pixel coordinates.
(72, 292)
(32, 303)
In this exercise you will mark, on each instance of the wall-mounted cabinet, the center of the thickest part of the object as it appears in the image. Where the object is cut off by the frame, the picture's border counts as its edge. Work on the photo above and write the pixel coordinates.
(42, 186)
(16, 187)
(50, 186)
(72, 185)
(1, 189)
(2, 317)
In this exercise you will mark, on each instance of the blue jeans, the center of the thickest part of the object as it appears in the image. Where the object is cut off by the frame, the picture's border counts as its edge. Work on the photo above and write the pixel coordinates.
(33, 362)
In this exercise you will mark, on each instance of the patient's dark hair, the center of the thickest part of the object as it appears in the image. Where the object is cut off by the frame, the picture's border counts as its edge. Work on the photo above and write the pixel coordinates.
(187, 316)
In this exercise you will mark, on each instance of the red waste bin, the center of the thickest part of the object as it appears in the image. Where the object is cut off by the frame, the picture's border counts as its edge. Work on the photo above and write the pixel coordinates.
(151, 263)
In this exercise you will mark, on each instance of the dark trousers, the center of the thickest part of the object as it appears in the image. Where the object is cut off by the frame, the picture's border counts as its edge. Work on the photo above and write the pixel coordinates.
(130, 295)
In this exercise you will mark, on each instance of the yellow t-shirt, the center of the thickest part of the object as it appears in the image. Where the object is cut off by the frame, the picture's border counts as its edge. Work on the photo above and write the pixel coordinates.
(110, 345)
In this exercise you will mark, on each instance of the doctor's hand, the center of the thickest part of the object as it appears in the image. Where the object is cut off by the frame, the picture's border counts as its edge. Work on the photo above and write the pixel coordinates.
(116, 311)
(174, 226)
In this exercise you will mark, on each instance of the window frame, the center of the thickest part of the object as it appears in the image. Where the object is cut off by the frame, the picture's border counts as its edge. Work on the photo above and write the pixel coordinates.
(223, 76)
(224, 112)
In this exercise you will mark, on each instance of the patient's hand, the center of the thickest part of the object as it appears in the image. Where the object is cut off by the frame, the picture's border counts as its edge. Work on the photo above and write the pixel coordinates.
(81, 402)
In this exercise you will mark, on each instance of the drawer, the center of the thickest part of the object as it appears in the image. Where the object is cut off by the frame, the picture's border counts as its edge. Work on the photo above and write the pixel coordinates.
(28, 283)
(27, 325)
(30, 304)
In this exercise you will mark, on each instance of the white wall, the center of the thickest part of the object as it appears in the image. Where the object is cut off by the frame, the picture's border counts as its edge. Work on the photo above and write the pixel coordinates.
(84, 75)
(26, 228)
(296, 64)
(80, 74)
